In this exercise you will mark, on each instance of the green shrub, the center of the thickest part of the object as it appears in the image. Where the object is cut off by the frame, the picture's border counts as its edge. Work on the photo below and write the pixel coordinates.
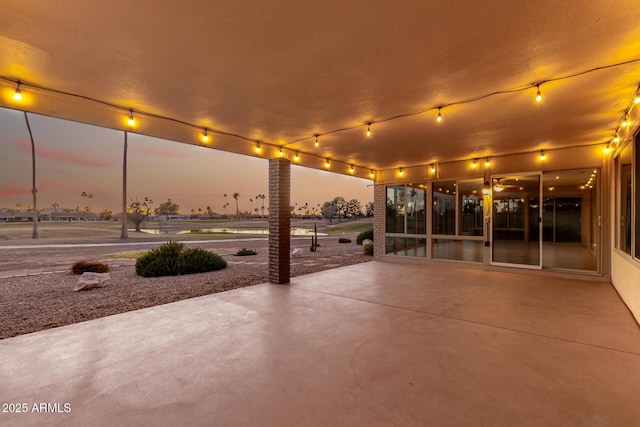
(246, 252)
(199, 260)
(368, 249)
(84, 266)
(367, 234)
(171, 259)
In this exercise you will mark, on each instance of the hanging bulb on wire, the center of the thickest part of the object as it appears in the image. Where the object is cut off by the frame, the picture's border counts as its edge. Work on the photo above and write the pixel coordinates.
(625, 121)
(258, 148)
(297, 157)
(317, 144)
(17, 95)
(616, 138)
(539, 94)
(131, 121)
(369, 129)
(205, 135)
(439, 118)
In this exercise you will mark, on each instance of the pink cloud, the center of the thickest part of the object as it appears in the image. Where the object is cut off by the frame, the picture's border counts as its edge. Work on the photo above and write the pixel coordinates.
(160, 152)
(15, 191)
(62, 156)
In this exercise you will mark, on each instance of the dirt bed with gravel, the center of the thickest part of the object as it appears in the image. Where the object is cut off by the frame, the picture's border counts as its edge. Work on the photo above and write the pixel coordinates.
(42, 297)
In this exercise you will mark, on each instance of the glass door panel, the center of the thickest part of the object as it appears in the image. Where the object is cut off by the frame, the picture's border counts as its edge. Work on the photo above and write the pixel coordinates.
(516, 220)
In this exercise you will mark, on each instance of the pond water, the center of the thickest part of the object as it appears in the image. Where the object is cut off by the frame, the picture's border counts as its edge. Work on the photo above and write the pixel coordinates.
(295, 231)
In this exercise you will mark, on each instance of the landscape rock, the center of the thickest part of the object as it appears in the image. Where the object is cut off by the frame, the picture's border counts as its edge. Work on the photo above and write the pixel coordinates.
(90, 280)
(367, 242)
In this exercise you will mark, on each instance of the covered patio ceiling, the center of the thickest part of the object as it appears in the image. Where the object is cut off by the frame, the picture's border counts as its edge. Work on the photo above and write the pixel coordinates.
(282, 72)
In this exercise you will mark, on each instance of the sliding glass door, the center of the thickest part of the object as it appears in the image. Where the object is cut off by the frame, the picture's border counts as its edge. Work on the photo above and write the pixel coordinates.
(516, 224)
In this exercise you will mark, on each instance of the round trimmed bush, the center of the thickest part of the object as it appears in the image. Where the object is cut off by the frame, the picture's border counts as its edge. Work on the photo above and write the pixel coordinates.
(368, 249)
(171, 259)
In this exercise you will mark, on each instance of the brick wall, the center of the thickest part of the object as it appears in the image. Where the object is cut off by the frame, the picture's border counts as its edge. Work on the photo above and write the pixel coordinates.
(279, 220)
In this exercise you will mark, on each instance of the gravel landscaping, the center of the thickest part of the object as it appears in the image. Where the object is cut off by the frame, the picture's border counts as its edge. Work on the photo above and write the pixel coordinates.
(35, 300)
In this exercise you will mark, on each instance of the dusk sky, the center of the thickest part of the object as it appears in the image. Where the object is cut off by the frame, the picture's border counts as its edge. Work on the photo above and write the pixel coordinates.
(73, 158)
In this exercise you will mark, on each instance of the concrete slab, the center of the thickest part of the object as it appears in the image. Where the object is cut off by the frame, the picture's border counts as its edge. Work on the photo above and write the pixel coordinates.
(373, 344)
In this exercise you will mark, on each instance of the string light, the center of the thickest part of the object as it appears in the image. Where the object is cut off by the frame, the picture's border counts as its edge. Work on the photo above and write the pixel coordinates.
(317, 143)
(539, 94)
(258, 148)
(131, 121)
(487, 163)
(474, 164)
(607, 149)
(439, 118)
(433, 168)
(616, 138)
(281, 153)
(400, 171)
(636, 99)
(369, 129)
(352, 169)
(327, 163)
(297, 157)
(625, 121)
(372, 173)
(17, 95)
(205, 136)
(542, 155)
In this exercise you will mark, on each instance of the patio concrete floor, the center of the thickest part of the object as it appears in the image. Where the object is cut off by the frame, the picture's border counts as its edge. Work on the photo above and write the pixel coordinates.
(374, 344)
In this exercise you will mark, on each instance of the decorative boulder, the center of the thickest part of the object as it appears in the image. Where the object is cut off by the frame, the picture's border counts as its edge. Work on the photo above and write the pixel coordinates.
(367, 242)
(90, 280)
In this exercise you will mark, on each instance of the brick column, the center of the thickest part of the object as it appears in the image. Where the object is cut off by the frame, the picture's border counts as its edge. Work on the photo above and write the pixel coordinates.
(379, 212)
(279, 220)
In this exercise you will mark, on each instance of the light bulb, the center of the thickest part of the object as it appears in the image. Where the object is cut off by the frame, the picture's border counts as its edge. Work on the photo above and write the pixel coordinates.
(281, 153)
(400, 171)
(625, 121)
(352, 169)
(487, 163)
(258, 148)
(368, 129)
(539, 94)
(439, 118)
(372, 173)
(317, 144)
(433, 168)
(205, 136)
(607, 149)
(297, 157)
(131, 121)
(17, 95)
(616, 138)
(542, 155)
(474, 164)
(327, 163)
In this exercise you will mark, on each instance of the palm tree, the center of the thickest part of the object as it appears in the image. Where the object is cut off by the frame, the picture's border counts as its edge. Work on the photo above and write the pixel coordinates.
(262, 197)
(235, 196)
(55, 206)
(84, 198)
(251, 202)
(90, 196)
(18, 205)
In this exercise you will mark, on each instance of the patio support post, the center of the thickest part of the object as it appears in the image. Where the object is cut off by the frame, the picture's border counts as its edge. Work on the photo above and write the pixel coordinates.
(279, 220)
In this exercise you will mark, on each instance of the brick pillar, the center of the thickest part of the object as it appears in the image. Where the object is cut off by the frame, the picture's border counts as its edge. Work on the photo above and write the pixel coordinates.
(379, 212)
(279, 220)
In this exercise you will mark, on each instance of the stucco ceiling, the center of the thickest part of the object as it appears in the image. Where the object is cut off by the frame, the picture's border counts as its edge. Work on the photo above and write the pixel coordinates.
(283, 71)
